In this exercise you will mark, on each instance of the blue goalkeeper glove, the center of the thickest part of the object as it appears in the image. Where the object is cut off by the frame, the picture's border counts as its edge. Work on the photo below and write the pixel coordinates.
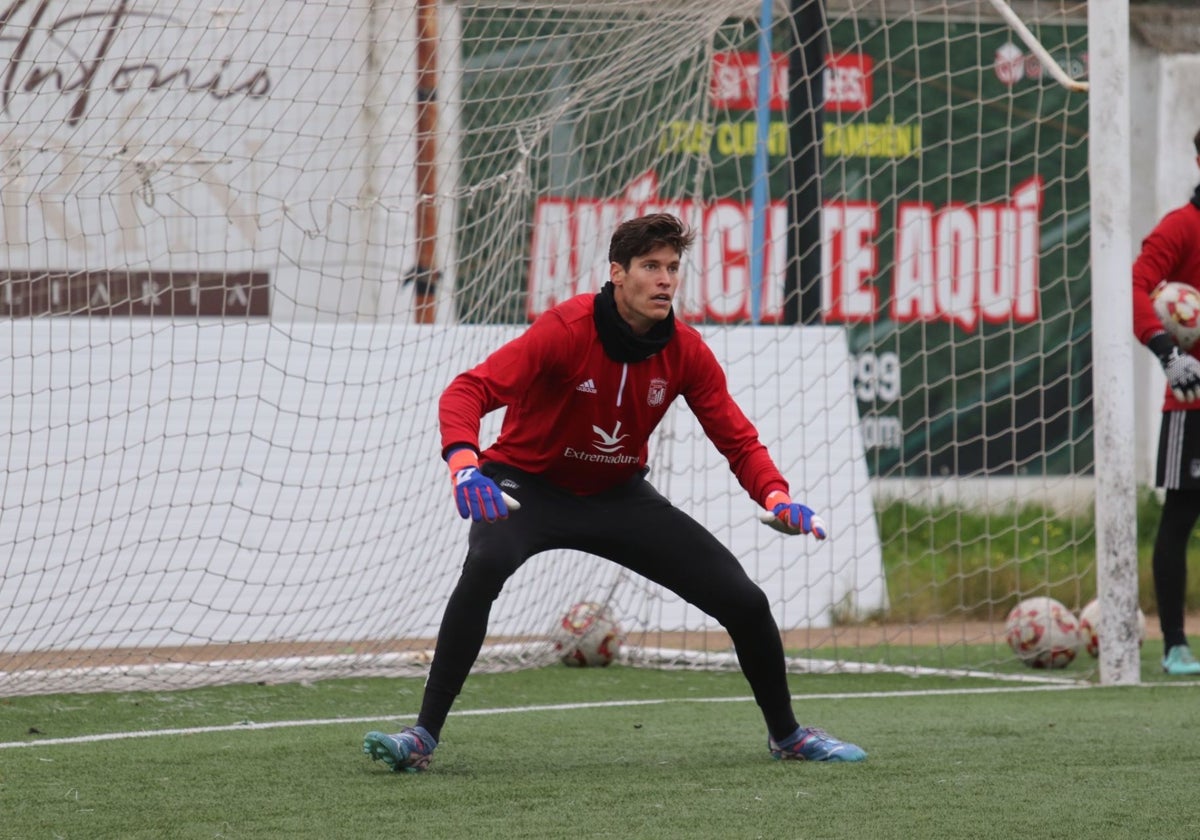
(478, 497)
(790, 517)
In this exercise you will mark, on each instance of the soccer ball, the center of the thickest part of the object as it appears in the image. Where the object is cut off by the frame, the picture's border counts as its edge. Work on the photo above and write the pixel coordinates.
(1178, 307)
(1089, 626)
(588, 636)
(1042, 633)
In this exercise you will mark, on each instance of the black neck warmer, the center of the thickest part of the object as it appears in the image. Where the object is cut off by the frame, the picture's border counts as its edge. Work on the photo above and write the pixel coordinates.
(619, 341)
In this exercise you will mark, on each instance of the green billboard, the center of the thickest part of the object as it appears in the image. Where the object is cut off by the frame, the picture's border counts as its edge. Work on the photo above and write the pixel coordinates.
(954, 221)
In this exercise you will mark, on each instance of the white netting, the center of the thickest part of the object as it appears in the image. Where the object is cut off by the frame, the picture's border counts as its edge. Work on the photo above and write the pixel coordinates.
(247, 247)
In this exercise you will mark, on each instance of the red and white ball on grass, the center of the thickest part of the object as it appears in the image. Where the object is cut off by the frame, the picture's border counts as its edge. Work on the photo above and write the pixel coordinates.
(588, 636)
(1043, 633)
(1178, 307)
(1089, 626)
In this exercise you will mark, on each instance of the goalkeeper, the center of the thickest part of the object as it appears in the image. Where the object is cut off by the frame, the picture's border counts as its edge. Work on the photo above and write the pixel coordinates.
(1172, 252)
(584, 388)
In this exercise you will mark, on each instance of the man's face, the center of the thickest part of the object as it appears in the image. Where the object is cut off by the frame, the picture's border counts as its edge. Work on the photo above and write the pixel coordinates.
(644, 293)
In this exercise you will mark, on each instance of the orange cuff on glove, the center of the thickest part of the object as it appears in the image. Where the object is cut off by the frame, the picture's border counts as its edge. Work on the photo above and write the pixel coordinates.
(462, 458)
(776, 498)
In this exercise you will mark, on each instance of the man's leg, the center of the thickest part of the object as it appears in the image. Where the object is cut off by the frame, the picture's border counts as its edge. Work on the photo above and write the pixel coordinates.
(1180, 511)
(495, 551)
(494, 555)
(1178, 450)
(665, 545)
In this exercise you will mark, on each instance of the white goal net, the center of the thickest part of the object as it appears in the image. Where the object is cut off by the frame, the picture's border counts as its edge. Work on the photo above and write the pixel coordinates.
(247, 245)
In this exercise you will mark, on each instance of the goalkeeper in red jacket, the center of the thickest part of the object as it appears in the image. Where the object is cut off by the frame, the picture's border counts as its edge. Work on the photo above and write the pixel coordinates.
(1172, 252)
(584, 388)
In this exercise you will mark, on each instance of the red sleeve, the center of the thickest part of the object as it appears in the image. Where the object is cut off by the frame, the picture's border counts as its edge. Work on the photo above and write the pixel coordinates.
(735, 437)
(499, 380)
(1163, 251)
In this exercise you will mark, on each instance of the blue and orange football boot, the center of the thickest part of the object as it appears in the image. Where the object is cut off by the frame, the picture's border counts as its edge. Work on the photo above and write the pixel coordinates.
(810, 744)
(409, 750)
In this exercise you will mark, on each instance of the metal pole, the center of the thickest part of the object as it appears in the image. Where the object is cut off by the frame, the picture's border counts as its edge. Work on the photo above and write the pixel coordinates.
(806, 102)
(761, 186)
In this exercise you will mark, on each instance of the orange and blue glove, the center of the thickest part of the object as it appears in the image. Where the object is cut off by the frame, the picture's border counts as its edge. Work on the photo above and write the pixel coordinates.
(478, 497)
(790, 517)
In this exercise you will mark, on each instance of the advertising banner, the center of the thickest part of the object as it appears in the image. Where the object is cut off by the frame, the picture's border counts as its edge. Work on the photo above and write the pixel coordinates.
(954, 234)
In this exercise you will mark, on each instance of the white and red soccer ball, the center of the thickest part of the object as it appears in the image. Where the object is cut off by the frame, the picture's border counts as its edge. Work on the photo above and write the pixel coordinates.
(588, 636)
(1043, 633)
(1089, 626)
(1178, 307)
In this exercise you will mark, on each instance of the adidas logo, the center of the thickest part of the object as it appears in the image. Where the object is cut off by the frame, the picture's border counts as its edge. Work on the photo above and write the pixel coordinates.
(587, 386)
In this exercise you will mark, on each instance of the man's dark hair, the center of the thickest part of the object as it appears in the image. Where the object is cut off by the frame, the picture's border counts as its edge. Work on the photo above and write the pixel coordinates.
(640, 236)
(1196, 142)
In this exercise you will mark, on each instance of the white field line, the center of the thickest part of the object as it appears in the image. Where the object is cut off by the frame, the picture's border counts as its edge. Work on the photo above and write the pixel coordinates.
(667, 658)
(168, 676)
(251, 726)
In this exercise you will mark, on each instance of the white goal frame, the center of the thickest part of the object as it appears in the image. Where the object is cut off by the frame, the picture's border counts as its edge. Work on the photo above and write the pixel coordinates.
(361, 203)
(1112, 341)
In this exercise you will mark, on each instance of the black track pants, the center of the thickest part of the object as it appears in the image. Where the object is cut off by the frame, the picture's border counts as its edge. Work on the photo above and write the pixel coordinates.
(635, 526)
(1180, 511)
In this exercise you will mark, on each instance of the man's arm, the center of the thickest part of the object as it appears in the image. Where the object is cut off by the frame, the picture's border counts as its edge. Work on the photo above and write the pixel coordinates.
(1162, 252)
(500, 380)
(1182, 369)
(478, 497)
(789, 517)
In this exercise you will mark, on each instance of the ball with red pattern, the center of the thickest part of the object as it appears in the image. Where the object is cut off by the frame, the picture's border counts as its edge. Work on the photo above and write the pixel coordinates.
(1178, 307)
(1042, 633)
(588, 636)
(1089, 626)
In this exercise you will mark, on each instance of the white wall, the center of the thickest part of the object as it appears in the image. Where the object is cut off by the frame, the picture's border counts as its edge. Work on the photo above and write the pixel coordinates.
(173, 177)
(216, 482)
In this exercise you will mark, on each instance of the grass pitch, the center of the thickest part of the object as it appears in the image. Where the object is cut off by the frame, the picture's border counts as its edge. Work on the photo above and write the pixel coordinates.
(611, 753)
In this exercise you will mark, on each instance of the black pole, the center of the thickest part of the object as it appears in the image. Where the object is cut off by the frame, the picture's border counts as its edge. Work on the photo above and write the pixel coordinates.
(806, 102)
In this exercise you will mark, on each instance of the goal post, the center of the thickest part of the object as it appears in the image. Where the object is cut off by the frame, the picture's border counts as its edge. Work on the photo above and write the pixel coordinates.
(1112, 257)
(1109, 155)
(1031, 41)
(247, 249)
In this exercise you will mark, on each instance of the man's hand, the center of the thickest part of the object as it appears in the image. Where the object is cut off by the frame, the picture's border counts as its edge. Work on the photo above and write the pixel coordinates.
(1182, 369)
(478, 497)
(789, 517)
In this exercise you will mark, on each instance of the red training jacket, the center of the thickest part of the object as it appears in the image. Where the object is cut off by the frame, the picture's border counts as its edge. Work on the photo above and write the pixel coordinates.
(1170, 252)
(581, 420)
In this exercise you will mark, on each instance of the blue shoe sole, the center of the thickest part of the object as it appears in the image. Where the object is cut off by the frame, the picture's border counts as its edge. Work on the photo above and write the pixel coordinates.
(851, 757)
(1182, 663)
(378, 746)
(1182, 670)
